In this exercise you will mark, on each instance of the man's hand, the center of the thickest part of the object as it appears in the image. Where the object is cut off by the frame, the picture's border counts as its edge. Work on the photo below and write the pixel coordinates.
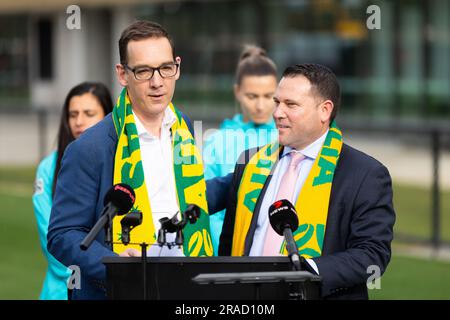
(130, 252)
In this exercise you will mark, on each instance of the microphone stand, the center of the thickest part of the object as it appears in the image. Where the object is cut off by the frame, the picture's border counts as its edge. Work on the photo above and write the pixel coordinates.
(171, 225)
(143, 246)
(104, 222)
(108, 231)
(297, 293)
(292, 249)
(144, 267)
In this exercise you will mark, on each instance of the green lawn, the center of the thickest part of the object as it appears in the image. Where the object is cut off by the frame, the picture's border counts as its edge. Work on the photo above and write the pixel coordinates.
(413, 207)
(22, 266)
(412, 278)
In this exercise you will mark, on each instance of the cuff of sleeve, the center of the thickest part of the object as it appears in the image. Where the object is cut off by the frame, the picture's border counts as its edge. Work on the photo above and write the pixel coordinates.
(312, 265)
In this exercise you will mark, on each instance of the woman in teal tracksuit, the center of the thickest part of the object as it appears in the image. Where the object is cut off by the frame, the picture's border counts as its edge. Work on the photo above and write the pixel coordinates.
(85, 105)
(256, 82)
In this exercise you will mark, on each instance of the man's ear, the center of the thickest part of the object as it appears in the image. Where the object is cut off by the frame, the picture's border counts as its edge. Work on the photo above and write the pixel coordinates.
(178, 60)
(326, 108)
(122, 76)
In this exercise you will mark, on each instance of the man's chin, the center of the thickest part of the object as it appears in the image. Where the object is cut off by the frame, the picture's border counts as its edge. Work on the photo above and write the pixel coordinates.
(157, 108)
(282, 141)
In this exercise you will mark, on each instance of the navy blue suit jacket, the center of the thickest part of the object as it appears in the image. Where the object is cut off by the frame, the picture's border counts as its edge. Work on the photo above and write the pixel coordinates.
(359, 227)
(85, 176)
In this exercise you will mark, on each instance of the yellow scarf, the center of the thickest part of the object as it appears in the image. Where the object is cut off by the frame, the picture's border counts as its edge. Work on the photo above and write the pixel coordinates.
(188, 175)
(312, 202)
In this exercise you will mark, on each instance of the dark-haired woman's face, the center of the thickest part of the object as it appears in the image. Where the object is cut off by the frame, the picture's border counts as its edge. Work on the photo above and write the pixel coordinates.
(84, 112)
(255, 95)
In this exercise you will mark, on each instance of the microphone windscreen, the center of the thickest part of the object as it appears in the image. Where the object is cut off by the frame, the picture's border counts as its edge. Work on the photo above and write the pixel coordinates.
(121, 196)
(282, 214)
(192, 213)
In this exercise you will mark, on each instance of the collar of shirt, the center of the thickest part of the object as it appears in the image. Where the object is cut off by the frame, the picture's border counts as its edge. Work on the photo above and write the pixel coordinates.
(167, 122)
(311, 151)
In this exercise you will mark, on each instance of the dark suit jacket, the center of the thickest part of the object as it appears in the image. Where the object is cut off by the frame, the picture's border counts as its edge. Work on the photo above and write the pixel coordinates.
(85, 176)
(359, 227)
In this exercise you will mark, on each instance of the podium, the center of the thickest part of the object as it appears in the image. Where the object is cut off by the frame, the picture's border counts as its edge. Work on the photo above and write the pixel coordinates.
(208, 278)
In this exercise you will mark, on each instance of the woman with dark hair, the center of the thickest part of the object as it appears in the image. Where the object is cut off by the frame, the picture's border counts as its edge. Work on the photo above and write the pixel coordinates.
(85, 105)
(255, 85)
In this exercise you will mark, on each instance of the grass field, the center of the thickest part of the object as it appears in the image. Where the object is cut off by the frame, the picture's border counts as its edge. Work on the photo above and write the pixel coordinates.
(413, 208)
(22, 265)
(412, 278)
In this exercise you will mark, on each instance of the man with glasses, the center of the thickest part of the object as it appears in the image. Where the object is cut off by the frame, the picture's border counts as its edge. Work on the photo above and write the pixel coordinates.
(147, 143)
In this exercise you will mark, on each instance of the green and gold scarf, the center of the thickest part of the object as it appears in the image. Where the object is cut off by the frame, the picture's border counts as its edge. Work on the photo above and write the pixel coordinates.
(312, 202)
(188, 175)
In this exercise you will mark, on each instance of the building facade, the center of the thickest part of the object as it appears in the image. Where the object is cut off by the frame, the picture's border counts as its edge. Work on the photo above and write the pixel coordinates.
(401, 69)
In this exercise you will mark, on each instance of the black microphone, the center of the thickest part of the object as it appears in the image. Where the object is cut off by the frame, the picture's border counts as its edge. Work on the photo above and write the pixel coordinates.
(191, 214)
(170, 225)
(283, 219)
(129, 222)
(118, 201)
(121, 197)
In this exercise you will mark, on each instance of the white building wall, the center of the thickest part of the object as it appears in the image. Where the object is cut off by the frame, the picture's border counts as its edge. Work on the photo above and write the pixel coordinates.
(79, 55)
(121, 18)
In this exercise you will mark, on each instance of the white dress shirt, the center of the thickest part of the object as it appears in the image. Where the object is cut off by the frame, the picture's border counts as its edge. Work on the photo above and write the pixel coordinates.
(310, 152)
(157, 161)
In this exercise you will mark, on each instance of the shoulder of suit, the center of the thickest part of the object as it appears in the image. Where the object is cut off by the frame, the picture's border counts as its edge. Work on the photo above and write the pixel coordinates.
(184, 115)
(100, 135)
(104, 127)
(245, 156)
(188, 121)
(359, 159)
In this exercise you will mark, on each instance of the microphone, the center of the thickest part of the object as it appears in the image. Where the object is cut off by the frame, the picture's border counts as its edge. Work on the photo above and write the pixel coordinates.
(283, 219)
(121, 197)
(129, 222)
(171, 225)
(118, 201)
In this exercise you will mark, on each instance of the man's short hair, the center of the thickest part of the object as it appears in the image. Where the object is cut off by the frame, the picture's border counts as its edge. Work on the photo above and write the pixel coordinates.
(322, 80)
(140, 30)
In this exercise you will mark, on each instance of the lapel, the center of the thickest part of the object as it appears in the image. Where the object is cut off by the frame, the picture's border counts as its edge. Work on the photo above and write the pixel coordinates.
(112, 145)
(337, 206)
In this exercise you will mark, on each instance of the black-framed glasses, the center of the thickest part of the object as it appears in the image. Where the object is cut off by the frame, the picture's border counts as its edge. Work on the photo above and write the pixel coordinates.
(146, 73)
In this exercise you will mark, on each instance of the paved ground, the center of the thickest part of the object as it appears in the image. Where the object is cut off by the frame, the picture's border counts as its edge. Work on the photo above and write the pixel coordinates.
(406, 163)
(422, 251)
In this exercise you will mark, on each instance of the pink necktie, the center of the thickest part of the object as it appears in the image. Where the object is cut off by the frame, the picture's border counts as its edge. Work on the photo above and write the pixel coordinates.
(272, 242)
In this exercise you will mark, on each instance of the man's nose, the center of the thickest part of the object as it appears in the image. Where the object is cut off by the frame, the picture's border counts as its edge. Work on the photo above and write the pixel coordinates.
(156, 81)
(278, 112)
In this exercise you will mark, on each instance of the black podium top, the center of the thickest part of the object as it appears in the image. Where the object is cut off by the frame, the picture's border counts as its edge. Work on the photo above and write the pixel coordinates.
(172, 278)
(202, 260)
